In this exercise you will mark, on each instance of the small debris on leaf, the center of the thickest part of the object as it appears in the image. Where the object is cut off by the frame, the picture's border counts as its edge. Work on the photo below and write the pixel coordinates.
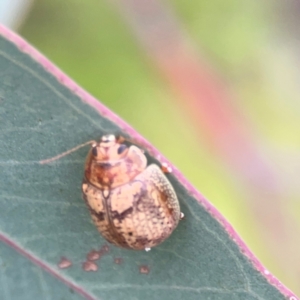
(118, 260)
(144, 269)
(89, 266)
(64, 263)
(103, 250)
(93, 255)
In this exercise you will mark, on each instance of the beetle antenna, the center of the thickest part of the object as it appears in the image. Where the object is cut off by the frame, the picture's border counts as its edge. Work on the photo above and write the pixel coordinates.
(49, 160)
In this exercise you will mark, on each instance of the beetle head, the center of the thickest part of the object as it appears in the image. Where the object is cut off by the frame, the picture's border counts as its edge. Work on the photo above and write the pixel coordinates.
(109, 149)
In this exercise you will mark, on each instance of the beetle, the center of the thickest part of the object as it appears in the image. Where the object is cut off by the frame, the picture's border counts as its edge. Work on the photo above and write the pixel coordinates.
(132, 204)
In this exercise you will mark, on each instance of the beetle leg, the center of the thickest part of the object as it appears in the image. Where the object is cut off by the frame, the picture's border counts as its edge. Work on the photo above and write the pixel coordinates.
(166, 168)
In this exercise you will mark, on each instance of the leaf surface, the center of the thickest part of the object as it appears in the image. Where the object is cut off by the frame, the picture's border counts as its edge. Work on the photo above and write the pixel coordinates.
(43, 218)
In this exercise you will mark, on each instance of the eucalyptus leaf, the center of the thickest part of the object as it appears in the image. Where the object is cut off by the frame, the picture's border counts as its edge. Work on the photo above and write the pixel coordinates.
(43, 217)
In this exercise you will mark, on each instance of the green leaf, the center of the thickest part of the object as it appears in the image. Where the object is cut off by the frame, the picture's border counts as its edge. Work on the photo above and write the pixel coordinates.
(20, 279)
(43, 218)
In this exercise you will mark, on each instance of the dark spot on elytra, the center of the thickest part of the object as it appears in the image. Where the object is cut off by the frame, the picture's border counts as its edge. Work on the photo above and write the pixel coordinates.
(121, 216)
(98, 215)
(142, 241)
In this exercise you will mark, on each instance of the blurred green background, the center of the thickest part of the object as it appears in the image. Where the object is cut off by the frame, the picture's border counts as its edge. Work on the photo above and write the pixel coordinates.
(251, 48)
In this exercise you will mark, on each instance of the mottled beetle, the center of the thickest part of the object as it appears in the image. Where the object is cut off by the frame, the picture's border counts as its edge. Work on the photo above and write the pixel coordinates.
(133, 205)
